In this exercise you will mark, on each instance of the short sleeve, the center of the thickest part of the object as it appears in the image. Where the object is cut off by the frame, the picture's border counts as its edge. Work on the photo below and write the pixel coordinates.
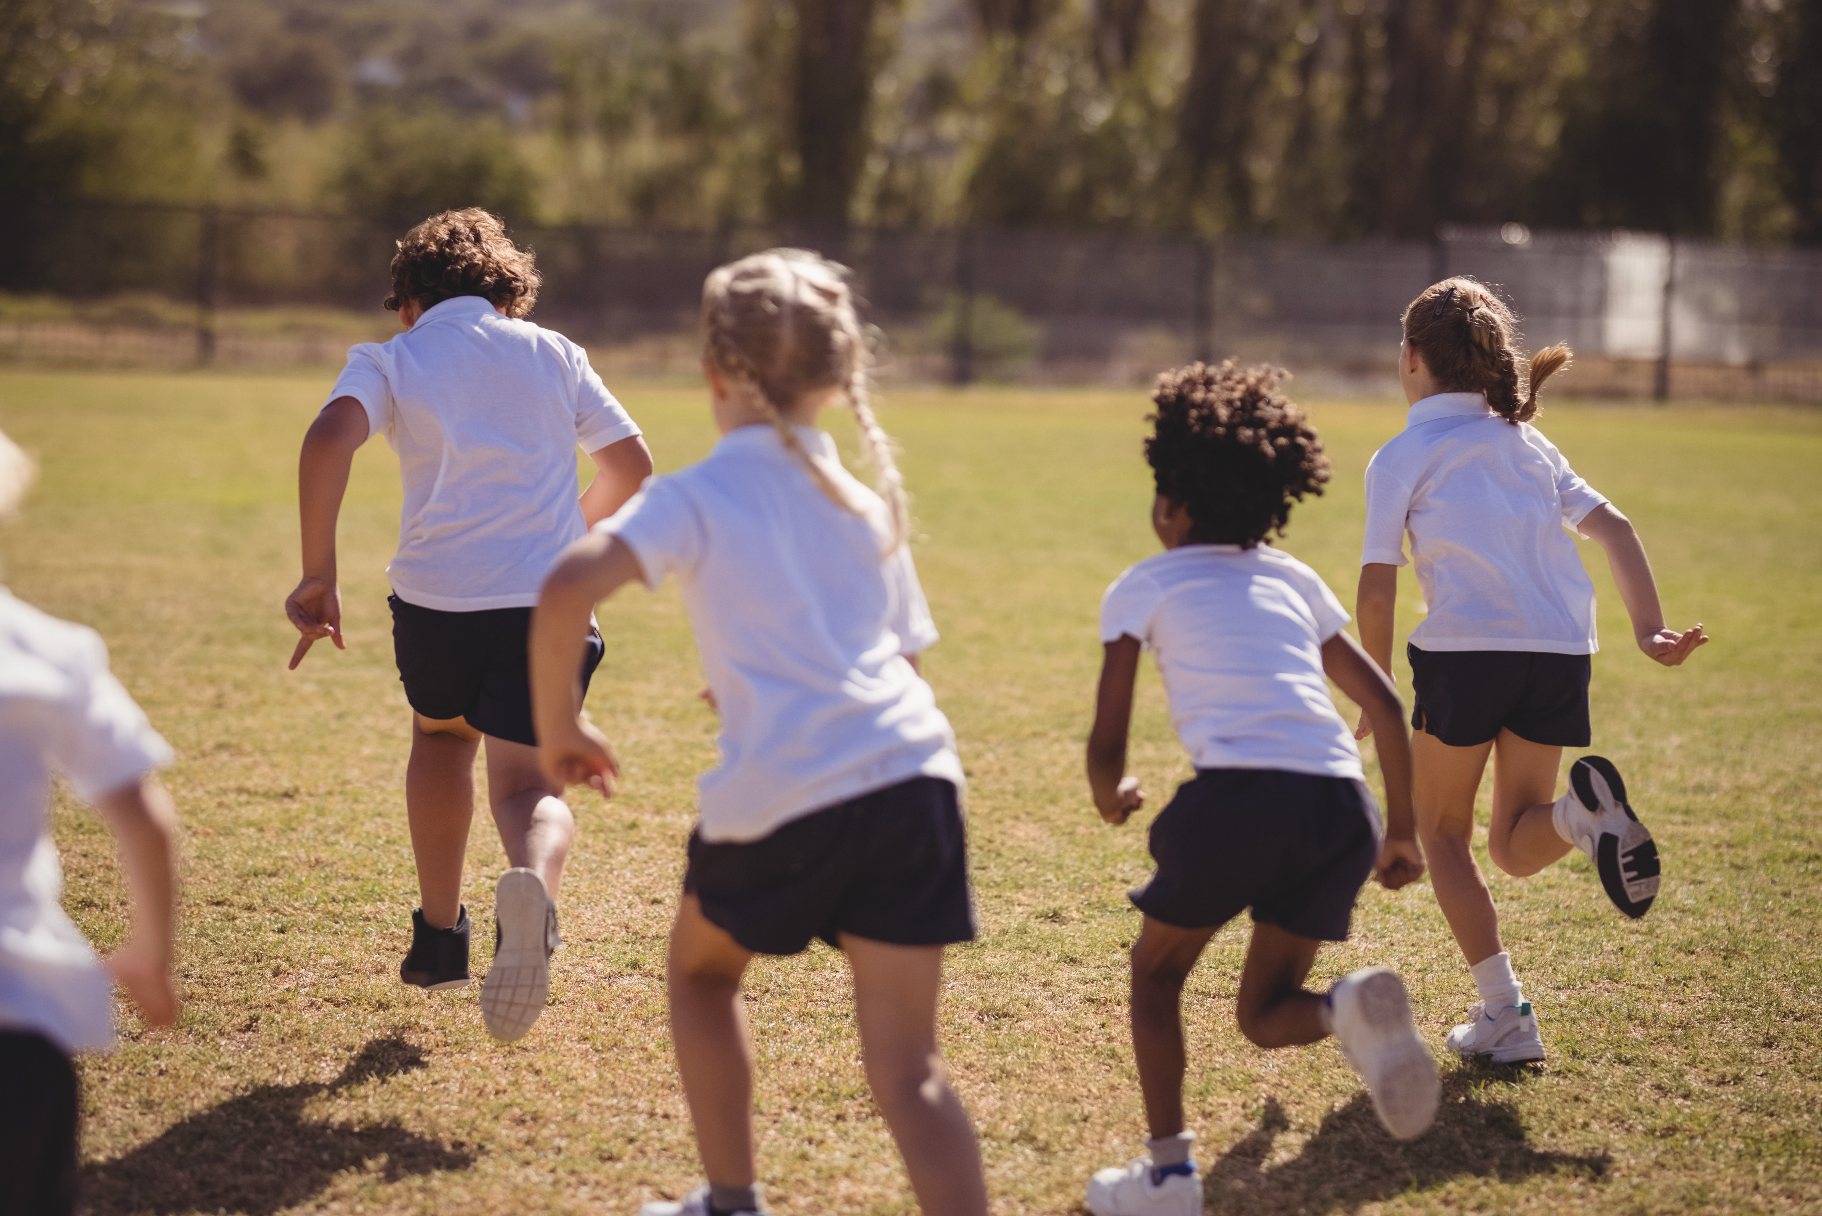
(1575, 495)
(1127, 607)
(662, 528)
(600, 418)
(100, 739)
(911, 619)
(1388, 502)
(364, 379)
(1325, 606)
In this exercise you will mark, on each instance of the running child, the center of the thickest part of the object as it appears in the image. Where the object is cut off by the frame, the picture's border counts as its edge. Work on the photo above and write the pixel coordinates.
(1278, 817)
(62, 712)
(485, 411)
(835, 810)
(1500, 664)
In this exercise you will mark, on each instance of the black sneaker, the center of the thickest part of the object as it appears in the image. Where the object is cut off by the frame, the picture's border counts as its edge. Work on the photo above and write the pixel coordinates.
(439, 957)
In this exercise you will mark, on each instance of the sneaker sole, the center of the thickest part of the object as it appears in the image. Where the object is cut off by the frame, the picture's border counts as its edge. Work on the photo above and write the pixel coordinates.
(1401, 1076)
(518, 983)
(1626, 861)
(445, 986)
(1526, 1053)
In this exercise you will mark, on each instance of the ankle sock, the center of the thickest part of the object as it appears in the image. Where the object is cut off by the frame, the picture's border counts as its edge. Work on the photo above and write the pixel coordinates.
(726, 1200)
(1170, 1155)
(1559, 813)
(1499, 986)
(1325, 1012)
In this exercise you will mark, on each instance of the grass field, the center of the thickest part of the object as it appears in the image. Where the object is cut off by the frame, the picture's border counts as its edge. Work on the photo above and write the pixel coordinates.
(1684, 1072)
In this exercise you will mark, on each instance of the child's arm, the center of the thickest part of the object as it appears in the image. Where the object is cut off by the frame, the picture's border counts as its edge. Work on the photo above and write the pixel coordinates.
(322, 478)
(1374, 601)
(1346, 663)
(1606, 527)
(620, 469)
(142, 820)
(571, 750)
(1116, 795)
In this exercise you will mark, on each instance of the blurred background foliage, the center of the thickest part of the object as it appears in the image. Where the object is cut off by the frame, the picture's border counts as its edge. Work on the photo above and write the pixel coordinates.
(1309, 118)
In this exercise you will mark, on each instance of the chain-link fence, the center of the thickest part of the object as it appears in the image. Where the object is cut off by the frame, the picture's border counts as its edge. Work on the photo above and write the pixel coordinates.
(102, 284)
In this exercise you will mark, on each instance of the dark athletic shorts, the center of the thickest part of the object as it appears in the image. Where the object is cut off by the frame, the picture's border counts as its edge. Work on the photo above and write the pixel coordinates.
(473, 665)
(890, 866)
(37, 1125)
(1464, 697)
(1293, 847)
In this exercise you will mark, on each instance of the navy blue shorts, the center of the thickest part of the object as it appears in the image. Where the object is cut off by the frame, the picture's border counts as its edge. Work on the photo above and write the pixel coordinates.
(1293, 847)
(473, 665)
(1466, 697)
(890, 866)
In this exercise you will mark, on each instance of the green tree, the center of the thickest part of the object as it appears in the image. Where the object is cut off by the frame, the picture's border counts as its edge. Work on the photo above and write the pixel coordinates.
(398, 168)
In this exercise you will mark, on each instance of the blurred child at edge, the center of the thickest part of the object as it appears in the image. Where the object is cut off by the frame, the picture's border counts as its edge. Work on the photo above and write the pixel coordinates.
(1278, 817)
(63, 712)
(1501, 663)
(835, 811)
(485, 411)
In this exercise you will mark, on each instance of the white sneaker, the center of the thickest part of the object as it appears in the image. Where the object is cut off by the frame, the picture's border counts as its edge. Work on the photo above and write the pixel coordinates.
(525, 935)
(696, 1203)
(1129, 1191)
(1599, 820)
(1371, 1014)
(1508, 1037)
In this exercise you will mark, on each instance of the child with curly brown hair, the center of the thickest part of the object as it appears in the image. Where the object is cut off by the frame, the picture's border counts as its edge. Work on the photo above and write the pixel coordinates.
(1278, 817)
(485, 411)
(1500, 664)
(835, 810)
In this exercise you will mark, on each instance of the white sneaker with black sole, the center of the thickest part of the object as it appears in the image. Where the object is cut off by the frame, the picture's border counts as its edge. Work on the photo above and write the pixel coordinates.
(1136, 1190)
(1595, 815)
(1505, 1036)
(1371, 1015)
(525, 936)
(696, 1203)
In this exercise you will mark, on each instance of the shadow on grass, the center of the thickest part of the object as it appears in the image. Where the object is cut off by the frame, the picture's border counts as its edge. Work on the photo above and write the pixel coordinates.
(256, 1153)
(1350, 1161)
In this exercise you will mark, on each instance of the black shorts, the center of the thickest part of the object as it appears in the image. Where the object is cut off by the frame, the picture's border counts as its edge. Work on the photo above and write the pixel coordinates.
(1465, 697)
(1293, 847)
(37, 1124)
(473, 665)
(890, 866)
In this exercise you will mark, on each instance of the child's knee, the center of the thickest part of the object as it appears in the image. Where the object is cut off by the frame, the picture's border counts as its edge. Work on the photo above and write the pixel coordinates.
(908, 1077)
(1161, 974)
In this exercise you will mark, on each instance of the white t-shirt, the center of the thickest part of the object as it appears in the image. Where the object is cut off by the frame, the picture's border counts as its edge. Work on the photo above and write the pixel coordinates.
(1490, 507)
(1237, 635)
(802, 627)
(61, 711)
(485, 413)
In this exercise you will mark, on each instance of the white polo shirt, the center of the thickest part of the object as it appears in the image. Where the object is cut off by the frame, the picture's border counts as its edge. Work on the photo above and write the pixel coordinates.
(1237, 635)
(802, 627)
(1490, 508)
(62, 712)
(485, 413)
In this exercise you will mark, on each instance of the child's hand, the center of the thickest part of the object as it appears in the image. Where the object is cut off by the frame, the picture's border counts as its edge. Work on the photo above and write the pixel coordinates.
(1400, 863)
(1670, 648)
(316, 609)
(147, 982)
(708, 695)
(1127, 798)
(581, 757)
(1364, 728)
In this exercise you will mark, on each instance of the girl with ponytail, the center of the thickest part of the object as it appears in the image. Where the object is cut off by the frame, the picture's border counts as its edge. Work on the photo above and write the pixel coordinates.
(1500, 664)
(835, 810)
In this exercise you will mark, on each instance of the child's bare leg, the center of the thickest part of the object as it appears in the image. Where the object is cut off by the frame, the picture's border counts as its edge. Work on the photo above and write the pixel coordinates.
(895, 995)
(1444, 781)
(709, 1027)
(1274, 1009)
(1161, 962)
(535, 825)
(1522, 837)
(439, 804)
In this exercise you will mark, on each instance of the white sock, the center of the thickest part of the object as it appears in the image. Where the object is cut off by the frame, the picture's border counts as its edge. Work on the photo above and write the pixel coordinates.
(1170, 1150)
(1499, 987)
(1560, 812)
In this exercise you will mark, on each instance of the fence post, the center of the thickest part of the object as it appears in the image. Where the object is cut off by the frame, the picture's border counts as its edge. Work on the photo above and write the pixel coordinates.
(1203, 301)
(208, 268)
(1439, 255)
(1660, 388)
(961, 346)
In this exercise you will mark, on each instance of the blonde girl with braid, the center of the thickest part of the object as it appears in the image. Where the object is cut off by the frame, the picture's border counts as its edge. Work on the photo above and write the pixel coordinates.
(1501, 663)
(835, 809)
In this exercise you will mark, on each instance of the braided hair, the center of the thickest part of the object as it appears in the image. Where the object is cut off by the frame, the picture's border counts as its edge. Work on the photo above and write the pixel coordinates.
(1469, 340)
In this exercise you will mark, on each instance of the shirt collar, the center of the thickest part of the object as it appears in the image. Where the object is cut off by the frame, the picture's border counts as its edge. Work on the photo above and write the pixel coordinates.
(456, 306)
(762, 436)
(1447, 405)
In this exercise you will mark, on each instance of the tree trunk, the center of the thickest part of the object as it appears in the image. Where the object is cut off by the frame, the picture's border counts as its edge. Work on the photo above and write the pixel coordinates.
(833, 84)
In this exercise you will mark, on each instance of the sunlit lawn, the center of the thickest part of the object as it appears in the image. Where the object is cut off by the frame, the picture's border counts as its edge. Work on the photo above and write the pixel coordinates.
(1684, 1069)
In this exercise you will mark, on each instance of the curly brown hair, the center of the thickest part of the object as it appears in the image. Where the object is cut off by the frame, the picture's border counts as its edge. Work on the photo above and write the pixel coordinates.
(1469, 340)
(463, 253)
(1233, 450)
